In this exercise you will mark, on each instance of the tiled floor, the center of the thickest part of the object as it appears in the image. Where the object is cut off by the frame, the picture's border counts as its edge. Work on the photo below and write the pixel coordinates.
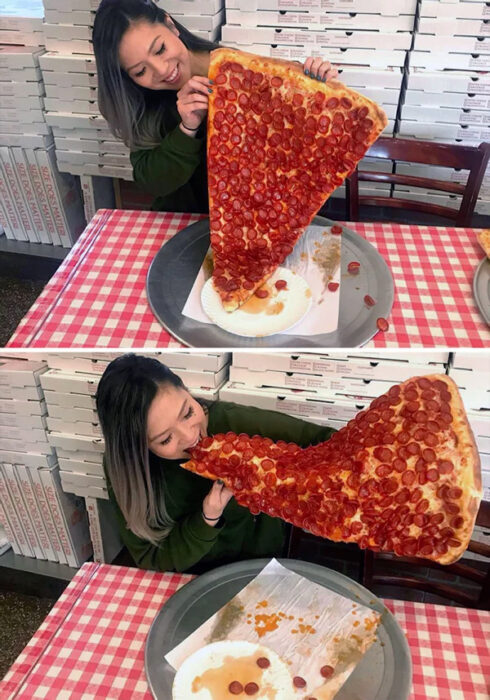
(16, 298)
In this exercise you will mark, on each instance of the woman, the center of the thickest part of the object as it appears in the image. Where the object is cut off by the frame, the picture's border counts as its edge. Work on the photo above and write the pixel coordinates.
(171, 519)
(154, 91)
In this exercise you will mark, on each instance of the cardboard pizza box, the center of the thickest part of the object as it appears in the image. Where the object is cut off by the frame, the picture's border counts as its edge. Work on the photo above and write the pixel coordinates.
(25, 38)
(438, 60)
(71, 5)
(453, 27)
(429, 130)
(104, 530)
(10, 216)
(27, 140)
(16, 495)
(17, 194)
(21, 166)
(29, 494)
(22, 408)
(200, 7)
(112, 171)
(86, 491)
(17, 57)
(19, 75)
(449, 81)
(72, 427)
(324, 38)
(452, 100)
(29, 459)
(69, 80)
(374, 57)
(311, 19)
(17, 89)
(8, 530)
(384, 7)
(21, 128)
(80, 455)
(84, 480)
(58, 16)
(449, 116)
(52, 61)
(81, 466)
(73, 443)
(306, 404)
(454, 10)
(208, 361)
(70, 518)
(69, 400)
(46, 513)
(14, 520)
(70, 382)
(23, 423)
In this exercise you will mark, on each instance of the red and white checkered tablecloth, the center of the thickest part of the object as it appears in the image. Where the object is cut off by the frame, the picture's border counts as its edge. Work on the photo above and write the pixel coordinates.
(97, 298)
(92, 643)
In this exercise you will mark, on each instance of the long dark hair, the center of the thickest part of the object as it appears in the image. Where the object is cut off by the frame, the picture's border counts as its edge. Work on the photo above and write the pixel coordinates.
(134, 113)
(124, 395)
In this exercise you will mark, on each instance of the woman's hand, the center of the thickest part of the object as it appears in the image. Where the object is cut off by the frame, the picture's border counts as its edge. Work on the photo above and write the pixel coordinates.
(215, 502)
(319, 69)
(192, 101)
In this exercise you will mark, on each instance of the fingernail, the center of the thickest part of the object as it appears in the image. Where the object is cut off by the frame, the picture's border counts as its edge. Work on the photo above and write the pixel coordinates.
(212, 82)
(209, 90)
(307, 72)
(324, 78)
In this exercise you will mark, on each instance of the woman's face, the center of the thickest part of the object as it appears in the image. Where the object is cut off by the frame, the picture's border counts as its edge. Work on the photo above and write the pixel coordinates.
(154, 56)
(176, 422)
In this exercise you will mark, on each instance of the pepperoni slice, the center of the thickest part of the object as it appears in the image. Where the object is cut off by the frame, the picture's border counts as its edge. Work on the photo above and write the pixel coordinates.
(332, 286)
(327, 671)
(281, 284)
(235, 688)
(262, 293)
(336, 230)
(299, 682)
(251, 689)
(369, 301)
(382, 324)
(263, 662)
(353, 267)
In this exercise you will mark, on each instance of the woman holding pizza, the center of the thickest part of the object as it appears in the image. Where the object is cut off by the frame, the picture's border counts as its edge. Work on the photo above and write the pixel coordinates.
(169, 518)
(154, 91)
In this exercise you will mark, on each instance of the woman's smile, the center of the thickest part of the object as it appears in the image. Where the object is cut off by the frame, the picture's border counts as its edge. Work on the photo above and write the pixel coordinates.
(173, 77)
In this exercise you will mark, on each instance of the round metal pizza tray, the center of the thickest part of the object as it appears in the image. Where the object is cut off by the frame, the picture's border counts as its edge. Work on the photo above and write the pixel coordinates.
(384, 673)
(175, 267)
(481, 288)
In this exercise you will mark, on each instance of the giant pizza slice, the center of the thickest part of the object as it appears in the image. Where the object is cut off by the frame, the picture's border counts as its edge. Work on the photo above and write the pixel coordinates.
(403, 475)
(279, 143)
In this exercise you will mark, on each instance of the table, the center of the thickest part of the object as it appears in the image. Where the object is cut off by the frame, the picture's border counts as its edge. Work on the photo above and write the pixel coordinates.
(91, 645)
(97, 297)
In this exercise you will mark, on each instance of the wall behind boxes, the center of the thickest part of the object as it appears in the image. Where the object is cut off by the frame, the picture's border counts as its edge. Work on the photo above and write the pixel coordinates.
(51, 446)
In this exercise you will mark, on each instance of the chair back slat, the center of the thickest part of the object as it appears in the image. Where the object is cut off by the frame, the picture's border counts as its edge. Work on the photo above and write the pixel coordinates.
(454, 156)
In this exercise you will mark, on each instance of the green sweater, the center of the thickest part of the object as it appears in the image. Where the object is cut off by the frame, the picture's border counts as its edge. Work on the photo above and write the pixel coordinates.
(192, 544)
(175, 171)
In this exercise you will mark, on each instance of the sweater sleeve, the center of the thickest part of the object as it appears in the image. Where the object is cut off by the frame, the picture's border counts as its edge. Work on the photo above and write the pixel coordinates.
(271, 424)
(188, 542)
(164, 169)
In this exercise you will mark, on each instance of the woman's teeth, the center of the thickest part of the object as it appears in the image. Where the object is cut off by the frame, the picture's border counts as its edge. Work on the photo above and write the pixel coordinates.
(173, 76)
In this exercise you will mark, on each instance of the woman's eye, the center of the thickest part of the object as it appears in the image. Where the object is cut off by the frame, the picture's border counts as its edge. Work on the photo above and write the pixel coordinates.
(140, 74)
(189, 413)
(166, 441)
(160, 50)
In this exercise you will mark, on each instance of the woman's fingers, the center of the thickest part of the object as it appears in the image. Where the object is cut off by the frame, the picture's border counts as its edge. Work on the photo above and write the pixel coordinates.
(195, 84)
(319, 69)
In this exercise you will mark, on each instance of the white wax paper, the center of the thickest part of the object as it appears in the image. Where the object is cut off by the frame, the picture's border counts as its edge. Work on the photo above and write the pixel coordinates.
(315, 245)
(315, 627)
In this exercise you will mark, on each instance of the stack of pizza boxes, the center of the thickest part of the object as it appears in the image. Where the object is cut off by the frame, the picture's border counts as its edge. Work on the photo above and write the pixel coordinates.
(369, 43)
(448, 89)
(328, 389)
(37, 203)
(204, 18)
(39, 518)
(84, 143)
(74, 431)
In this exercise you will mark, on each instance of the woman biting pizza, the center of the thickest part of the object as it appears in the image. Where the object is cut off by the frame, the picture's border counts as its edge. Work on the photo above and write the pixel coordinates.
(154, 90)
(171, 519)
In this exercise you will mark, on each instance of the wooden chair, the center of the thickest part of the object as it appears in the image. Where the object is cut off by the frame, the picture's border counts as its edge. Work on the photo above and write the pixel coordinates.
(415, 151)
(468, 569)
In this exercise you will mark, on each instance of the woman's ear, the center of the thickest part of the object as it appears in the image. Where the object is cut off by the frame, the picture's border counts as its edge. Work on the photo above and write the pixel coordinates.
(171, 25)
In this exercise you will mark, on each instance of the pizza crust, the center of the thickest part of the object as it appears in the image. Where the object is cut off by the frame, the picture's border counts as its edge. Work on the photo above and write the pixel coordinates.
(483, 237)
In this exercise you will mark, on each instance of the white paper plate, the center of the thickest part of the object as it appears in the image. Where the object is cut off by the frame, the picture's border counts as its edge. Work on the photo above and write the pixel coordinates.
(257, 318)
(219, 662)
